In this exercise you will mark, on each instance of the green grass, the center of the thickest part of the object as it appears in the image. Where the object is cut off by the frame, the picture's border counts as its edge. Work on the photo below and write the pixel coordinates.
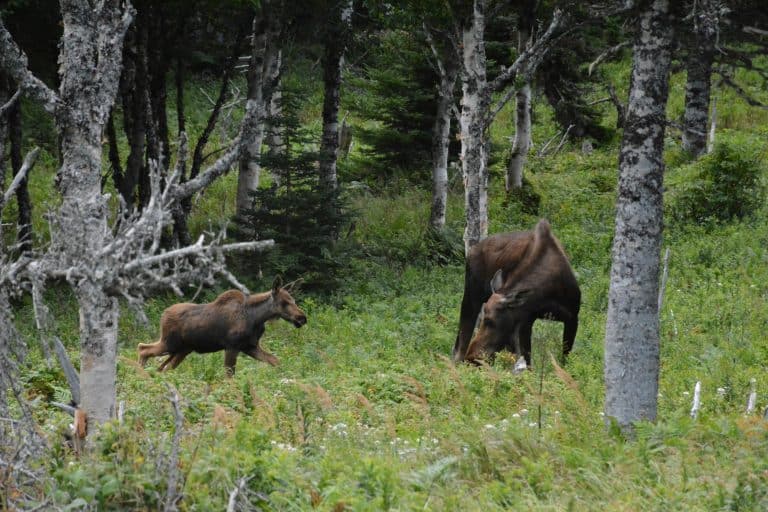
(367, 412)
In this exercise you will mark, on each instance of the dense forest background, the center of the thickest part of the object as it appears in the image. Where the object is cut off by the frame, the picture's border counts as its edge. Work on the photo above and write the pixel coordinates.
(343, 132)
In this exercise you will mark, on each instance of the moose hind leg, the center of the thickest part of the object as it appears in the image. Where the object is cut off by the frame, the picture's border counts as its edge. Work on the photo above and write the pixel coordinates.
(147, 350)
(174, 360)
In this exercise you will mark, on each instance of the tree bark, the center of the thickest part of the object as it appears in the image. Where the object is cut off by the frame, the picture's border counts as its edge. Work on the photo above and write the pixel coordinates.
(632, 326)
(698, 84)
(475, 105)
(448, 70)
(335, 45)
(90, 62)
(261, 72)
(522, 141)
(24, 222)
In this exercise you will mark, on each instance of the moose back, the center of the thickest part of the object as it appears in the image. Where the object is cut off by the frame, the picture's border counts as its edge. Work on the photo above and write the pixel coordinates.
(234, 322)
(511, 280)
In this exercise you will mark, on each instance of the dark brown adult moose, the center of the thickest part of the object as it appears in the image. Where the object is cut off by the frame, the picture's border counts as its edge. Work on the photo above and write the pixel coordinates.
(234, 322)
(515, 279)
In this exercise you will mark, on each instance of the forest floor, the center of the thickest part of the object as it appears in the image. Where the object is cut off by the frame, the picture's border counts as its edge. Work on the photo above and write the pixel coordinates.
(367, 412)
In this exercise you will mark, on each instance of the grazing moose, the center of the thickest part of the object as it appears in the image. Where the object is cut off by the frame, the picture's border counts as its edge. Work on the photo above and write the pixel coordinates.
(233, 322)
(516, 278)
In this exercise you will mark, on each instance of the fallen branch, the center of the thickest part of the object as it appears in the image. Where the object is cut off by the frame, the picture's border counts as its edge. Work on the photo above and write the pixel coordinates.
(11, 102)
(610, 52)
(29, 162)
(696, 400)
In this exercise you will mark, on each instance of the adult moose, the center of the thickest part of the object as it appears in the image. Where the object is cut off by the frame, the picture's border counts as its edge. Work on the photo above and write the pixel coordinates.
(234, 322)
(516, 278)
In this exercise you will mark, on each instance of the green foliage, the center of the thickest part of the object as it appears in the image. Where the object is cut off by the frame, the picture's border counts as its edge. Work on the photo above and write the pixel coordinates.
(725, 184)
(305, 218)
(396, 96)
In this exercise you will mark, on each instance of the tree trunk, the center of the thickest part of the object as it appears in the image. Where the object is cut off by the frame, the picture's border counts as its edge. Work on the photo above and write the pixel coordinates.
(632, 326)
(474, 113)
(699, 81)
(261, 71)
(90, 62)
(24, 223)
(274, 138)
(522, 141)
(441, 140)
(133, 87)
(335, 45)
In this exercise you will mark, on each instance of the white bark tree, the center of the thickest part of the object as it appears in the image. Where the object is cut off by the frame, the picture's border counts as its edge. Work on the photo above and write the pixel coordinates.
(262, 78)
(521, 143)
(701, 56)
(338, 33)
(99, 262)
(446, 63)
(477, 111)
(632, 326)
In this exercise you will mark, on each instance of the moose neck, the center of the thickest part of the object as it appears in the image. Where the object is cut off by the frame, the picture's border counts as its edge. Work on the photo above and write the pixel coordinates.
(261, 306)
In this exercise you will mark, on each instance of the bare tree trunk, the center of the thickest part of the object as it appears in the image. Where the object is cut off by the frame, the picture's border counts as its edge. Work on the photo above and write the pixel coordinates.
(261, 70)
(474, 111)
(24, 222)
(90, 62)
(522, 140)
(274, 137)
(447, 65)
(632, 326)
(335, 45)
(699, 81)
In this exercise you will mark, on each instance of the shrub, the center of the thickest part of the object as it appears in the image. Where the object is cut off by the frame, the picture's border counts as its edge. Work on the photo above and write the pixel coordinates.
(725, 184)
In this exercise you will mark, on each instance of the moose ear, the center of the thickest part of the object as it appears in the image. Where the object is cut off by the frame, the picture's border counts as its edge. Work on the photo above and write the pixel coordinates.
(277, 284)
(497, 281)
(516, 298)
(293, 285)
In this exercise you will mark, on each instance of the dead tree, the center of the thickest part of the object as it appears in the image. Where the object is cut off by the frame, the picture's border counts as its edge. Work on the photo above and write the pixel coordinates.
(103, 263)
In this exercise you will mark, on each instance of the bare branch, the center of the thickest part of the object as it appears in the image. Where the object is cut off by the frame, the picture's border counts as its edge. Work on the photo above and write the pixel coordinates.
(755, 30)
(741, 92)
(73, 379)
(610, 52)
(29, 162)
(11, 102)
(14, 61)
(205, 178)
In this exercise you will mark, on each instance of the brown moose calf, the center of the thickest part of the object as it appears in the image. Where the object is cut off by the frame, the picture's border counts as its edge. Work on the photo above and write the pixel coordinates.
(233, 322)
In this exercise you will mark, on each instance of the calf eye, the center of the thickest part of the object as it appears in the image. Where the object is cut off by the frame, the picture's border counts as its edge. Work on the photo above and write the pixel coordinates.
(489, 323)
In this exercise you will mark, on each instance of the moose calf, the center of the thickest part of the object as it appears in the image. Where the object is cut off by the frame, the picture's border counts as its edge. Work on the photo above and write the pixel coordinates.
(516, 278)
(233, 322)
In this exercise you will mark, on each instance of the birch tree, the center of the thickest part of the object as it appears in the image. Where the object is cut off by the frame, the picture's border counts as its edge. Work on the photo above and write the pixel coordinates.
(337, 36)
(632, 326)
(701, 56)
(446, 62)
(477, 111)
(522, 142)
(262, 78)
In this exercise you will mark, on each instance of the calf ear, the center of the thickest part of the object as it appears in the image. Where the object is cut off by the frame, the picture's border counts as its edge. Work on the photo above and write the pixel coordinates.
(497, 281)
(277, 284)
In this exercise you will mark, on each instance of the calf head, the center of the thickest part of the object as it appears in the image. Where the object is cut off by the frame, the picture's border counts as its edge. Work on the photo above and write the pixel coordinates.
(285, 305)
(498, 321)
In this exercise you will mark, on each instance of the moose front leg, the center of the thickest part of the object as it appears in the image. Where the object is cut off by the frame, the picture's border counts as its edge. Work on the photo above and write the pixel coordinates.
(262, 355)
(230, 358)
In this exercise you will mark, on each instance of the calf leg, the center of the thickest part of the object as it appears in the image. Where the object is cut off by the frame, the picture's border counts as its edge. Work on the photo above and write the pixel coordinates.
(262, 355)
(147, 350)
(230, 358)
(174, 360)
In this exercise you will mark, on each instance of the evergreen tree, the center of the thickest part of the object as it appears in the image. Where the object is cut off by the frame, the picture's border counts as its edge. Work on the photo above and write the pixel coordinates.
(303, 217)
